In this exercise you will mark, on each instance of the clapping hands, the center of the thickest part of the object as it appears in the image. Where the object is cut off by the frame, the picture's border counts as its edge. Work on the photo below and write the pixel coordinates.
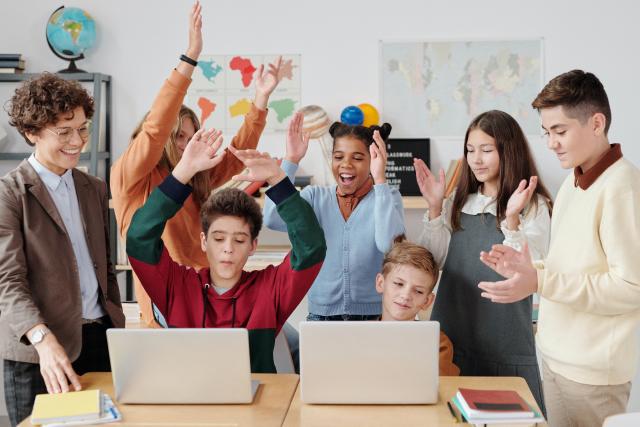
(519, 200)
(432, 190)
(378, 152)
(516, 267)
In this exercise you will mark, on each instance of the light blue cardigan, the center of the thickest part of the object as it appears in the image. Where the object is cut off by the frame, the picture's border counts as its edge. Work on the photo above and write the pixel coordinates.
(355, 248)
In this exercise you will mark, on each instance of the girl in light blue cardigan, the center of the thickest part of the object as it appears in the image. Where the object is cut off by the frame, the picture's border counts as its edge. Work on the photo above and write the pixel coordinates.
(360, 217)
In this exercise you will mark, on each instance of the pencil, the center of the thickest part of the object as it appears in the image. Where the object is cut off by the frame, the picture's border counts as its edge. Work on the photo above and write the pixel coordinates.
(453, 414)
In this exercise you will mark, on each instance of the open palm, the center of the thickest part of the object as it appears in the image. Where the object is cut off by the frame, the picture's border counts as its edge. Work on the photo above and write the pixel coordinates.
(261, 166)
(297, 144)
(200, 153)
(521, 197)
(500, 255)
(432, 190)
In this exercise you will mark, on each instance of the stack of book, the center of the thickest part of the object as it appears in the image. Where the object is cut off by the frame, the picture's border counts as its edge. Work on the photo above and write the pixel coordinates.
(495, 407)
(11, 63)
(75, 408)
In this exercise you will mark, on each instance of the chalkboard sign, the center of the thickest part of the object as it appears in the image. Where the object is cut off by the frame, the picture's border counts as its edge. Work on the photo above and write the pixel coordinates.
(400, 172)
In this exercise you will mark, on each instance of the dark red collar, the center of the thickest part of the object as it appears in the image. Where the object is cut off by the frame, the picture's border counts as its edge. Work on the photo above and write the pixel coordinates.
(585, 180)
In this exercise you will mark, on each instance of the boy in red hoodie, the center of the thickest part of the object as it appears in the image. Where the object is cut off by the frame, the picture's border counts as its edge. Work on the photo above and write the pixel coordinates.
(223, 295)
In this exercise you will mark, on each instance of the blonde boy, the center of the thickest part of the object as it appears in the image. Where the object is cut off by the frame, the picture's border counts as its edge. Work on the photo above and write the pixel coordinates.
(409, 274)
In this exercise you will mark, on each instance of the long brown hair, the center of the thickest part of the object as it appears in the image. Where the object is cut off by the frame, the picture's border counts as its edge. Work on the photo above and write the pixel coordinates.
(171, 155)
(516, 163)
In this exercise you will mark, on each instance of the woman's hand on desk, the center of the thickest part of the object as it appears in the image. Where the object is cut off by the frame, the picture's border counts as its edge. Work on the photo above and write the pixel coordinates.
(55, 366)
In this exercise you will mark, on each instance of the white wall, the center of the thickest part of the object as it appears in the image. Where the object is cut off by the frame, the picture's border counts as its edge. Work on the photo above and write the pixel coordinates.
(140, 41)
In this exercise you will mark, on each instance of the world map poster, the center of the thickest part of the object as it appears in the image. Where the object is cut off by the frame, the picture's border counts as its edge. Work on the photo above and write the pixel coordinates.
(436, 88)
(223, 89)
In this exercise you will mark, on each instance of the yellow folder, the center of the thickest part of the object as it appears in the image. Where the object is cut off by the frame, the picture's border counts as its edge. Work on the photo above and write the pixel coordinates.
(71, 406)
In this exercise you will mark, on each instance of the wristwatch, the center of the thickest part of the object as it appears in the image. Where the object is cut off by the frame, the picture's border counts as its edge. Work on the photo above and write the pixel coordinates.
(38, 335)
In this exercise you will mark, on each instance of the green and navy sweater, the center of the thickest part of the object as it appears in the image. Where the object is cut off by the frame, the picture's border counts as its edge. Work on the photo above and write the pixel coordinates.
(261, 301)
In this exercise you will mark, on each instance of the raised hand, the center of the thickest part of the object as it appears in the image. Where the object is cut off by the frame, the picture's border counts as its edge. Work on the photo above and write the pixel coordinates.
(378, 153)
(297, 144)
(519, 200)
(195, 32)
(266, 84)
(199, 155)
(432, 190)
(195, 40)
(522, 281)
(261, 167)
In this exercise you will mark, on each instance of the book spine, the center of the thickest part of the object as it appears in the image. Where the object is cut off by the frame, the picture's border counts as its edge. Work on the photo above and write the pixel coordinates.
(12, 64)
(10, 57)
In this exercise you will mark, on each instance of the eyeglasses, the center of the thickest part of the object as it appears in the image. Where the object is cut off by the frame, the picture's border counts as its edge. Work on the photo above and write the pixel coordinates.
(65, 136)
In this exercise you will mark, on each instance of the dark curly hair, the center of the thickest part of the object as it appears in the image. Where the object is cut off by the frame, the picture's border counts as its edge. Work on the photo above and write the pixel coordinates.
(581, 95)
(42, 100)
(362, 133)
(232, 202)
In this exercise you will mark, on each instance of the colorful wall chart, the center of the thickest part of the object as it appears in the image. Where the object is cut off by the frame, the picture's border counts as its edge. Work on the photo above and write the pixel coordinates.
(223, 89)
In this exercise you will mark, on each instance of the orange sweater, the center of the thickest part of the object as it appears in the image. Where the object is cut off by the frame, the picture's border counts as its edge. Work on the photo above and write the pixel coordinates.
(137, 173)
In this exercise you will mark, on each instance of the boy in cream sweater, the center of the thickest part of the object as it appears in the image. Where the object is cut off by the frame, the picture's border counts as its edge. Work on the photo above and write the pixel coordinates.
(590, 282)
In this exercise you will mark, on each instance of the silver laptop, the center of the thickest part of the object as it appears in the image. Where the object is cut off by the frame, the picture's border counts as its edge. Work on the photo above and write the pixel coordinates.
(369, 362)
(181, 366)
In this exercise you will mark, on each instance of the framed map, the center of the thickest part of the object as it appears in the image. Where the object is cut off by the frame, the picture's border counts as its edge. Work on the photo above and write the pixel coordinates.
(223, 88)
(435, 88)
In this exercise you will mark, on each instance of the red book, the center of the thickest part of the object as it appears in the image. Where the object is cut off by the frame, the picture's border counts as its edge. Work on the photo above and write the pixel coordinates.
(254, 187)
(496, 402)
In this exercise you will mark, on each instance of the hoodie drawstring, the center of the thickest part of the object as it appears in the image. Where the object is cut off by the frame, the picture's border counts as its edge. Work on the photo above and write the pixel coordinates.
(204, 315)
(233, 319)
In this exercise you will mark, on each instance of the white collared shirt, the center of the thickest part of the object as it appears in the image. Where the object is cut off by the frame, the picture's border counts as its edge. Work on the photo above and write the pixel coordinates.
(63, 192)
(534, 228)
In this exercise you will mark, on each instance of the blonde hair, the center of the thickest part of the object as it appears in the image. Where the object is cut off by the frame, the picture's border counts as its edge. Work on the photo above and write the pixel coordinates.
(405, 253)
(201, 182)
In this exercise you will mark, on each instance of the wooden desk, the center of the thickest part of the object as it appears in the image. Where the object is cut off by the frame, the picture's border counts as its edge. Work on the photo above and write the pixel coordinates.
(301, 414)
(269, 405)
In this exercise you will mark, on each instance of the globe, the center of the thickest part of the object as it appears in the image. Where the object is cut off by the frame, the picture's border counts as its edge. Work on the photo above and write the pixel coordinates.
(352, 115)
(70, 33)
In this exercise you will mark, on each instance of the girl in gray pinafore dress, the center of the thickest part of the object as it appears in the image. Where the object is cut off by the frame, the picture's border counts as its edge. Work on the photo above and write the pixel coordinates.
(491, 205)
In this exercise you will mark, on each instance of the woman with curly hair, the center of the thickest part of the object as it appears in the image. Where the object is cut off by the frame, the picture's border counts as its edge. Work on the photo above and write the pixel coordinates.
(58, 293)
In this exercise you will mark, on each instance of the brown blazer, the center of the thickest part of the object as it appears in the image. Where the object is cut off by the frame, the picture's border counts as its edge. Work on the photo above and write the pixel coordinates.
(39, 280)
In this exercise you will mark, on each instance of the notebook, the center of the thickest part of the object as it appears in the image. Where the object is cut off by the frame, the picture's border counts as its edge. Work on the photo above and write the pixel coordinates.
(524, 422)
(493, 404)
(110, 414)
(74, 405)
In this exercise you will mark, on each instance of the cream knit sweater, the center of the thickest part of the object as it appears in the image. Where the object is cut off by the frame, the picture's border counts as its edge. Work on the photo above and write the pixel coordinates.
(590, 281)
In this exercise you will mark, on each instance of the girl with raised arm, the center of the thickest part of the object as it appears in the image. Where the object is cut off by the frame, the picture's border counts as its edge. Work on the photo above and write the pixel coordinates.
(498, 199)
(157, 145)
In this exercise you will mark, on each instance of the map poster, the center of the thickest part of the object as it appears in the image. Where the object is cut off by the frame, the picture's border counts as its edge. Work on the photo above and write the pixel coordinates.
(436, 88)
(223, 89)
(399, 171)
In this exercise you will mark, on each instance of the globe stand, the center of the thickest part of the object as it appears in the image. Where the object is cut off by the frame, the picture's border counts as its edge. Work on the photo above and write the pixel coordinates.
(72, 66)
